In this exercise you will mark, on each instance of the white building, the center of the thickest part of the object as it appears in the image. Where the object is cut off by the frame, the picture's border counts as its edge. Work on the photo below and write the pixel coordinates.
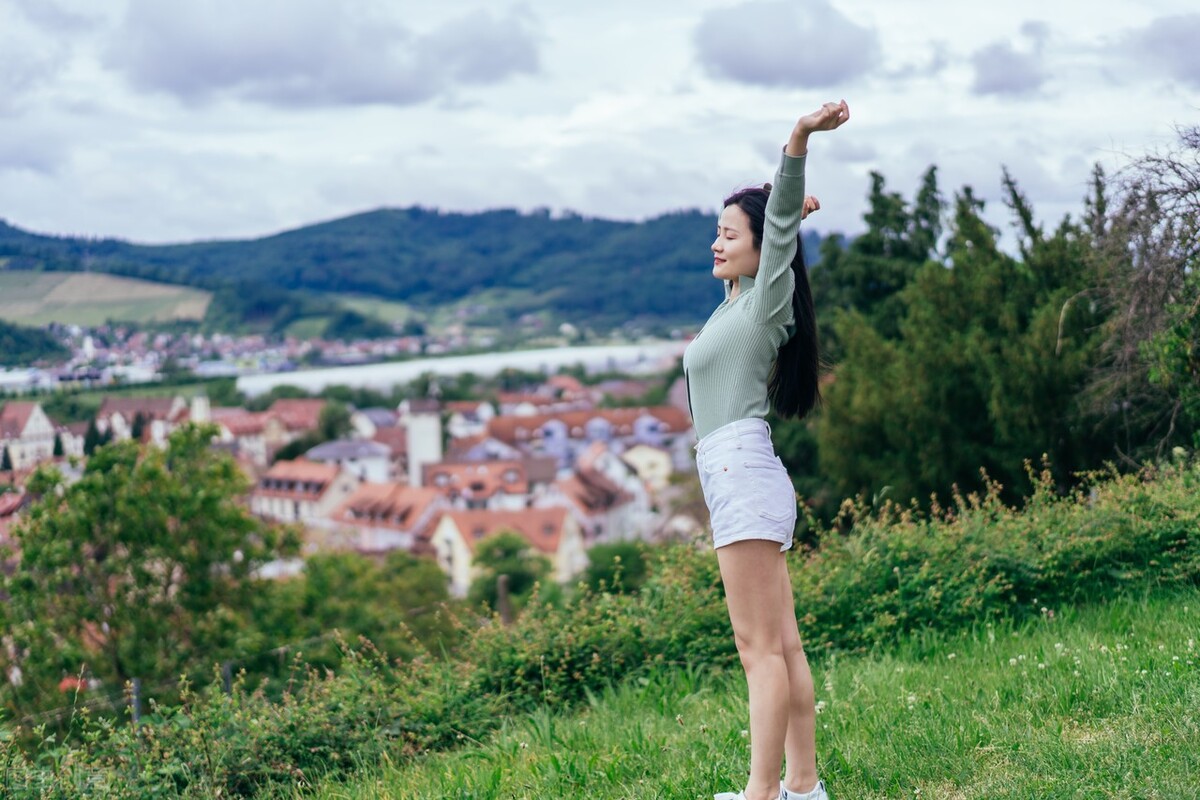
(27, 433)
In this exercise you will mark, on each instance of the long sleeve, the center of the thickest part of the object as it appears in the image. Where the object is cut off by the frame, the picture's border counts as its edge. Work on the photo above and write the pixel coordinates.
(775, 282)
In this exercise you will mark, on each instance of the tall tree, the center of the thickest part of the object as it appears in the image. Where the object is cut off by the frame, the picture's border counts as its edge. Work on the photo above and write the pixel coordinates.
(1147, 247)
(142, 568)
(984, 373)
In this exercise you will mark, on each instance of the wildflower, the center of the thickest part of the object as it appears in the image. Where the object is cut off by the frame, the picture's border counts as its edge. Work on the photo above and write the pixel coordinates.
(952, 656)
(745, 733)
(1041, 665)
(1012, 662)
(820, 706)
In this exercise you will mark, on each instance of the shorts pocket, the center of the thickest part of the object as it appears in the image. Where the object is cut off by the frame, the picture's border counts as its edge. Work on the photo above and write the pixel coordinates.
(776, 498)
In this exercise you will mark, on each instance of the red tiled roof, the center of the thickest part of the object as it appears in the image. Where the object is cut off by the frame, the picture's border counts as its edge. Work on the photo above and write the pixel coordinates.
(301, 414)
(394, 438)
(541, 527)
(10, 502)
(150, 408)
(390, 505)
(246, 423)
(476, 479)
(516, 398)
(592, 491)
(508, 427)
(14, 417)
(296, 479)
(463, 406)
(565, 383)
(301, 469)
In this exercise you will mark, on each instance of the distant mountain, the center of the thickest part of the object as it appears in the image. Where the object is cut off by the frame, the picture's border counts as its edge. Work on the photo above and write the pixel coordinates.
(589, 271)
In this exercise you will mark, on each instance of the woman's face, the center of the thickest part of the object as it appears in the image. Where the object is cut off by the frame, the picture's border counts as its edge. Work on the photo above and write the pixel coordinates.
(734, 253)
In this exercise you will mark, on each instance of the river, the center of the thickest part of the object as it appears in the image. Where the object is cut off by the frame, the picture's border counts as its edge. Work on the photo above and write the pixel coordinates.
(648, 357)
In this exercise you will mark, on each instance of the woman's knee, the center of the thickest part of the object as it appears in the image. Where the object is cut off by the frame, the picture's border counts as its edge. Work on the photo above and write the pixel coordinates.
(758, 645)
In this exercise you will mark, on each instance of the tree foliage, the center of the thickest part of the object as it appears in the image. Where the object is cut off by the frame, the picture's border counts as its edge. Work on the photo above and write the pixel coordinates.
(21, 346)
(507, 553)
(144, 568)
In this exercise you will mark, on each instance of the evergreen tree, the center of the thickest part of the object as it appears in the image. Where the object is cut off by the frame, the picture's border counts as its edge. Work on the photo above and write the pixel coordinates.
(6, 463)
(92, 438)
(137, 431)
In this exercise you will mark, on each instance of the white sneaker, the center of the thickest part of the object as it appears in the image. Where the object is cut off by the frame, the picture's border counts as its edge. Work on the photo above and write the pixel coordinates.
(816, 793)
(730, 796)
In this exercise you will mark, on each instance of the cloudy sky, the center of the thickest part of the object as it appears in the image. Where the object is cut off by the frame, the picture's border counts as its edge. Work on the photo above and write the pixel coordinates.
(178, 120)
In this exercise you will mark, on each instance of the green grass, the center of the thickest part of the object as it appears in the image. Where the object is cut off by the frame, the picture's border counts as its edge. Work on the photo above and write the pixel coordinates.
(1099, 702)
(38, 298)
(386, 310)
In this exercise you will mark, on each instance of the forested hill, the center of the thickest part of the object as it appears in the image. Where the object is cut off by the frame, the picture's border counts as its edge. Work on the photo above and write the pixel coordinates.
(588, 270)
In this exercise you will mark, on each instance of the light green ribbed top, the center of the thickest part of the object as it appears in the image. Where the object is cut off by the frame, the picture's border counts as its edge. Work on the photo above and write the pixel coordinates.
(728, 364)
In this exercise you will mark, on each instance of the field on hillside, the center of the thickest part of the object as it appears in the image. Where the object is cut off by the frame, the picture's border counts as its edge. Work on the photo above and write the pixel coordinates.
(1097, 702)
(87, 298)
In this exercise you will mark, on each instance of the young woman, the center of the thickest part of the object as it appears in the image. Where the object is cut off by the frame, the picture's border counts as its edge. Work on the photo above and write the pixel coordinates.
(759, 345)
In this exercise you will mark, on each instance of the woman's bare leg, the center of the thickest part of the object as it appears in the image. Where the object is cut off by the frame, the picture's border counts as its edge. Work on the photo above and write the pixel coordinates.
(800, 748)
(754, 573)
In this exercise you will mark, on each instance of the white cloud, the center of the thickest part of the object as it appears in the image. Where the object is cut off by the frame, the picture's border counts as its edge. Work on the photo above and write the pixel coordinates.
(1002, 69)
(1170, 43)
(781, 43)
(313, 53)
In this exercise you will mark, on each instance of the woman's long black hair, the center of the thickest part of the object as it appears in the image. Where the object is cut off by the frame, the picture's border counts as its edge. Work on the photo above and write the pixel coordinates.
(793, 385)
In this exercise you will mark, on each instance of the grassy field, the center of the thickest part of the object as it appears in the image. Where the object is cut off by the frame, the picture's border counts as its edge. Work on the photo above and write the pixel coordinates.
(1101, 702)
(85, 298)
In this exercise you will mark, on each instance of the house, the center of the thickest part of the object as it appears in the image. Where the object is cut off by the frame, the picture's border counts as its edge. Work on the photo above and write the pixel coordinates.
(480, 484)
(652, 464)
(155, 416)
(256, 436)
(468, 417)
(252, 435)
(564, 435)
(480, 448)
(367, 460)
(553, 532)
(298, 415)
(26, 433)
(301, 491)
(606, 496)
(396, 441)
(367, 421)
(379, 517)
(72, 437)
(525, 404)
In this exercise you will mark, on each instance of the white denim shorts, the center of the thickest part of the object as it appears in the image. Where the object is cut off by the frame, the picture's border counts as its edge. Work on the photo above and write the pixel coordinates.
(746, 487)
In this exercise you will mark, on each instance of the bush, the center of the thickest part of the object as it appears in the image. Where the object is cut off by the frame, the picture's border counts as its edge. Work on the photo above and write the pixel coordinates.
(897, 572)
(876, 577)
